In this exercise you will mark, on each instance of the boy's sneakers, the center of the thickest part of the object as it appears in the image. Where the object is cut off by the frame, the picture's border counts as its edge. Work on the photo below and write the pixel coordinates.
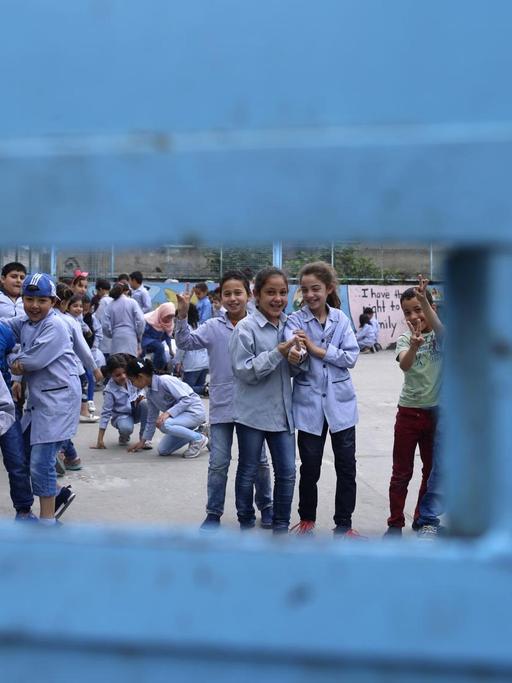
(393, 532)
(63, 500)
(304, 528)
(73, 465)
(429, 532)
(267, 517)
(346, 532)
(211, 523)
(195, 448)
(147, 446)
(124, 439)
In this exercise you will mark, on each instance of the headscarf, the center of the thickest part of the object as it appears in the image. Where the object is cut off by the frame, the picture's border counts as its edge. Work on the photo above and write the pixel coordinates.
(154, 318)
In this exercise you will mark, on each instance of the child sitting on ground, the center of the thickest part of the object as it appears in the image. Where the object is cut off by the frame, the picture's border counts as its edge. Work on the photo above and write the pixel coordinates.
(365, 334)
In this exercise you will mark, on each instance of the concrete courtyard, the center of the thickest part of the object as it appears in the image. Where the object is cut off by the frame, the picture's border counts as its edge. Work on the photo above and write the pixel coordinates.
(115, 486)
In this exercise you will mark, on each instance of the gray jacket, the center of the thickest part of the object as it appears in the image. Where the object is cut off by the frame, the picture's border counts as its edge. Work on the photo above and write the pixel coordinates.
(54, 391)
(213, 335)
(262, 396)
(323, 390)
(117, 402)
(6, 407)
(170, 395)
(10, 308)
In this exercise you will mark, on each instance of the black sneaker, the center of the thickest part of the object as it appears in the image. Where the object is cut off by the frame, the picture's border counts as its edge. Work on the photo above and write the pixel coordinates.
(63, 500)
(211, 523)
(395, 531)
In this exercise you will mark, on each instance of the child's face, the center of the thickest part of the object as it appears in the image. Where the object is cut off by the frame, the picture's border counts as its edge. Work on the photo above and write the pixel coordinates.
(199, 293)
(37, 307)
(12, 283)
(119, 376)
(413, 312)
(140, 381)
(314, 293)
(234, 298)
(86, 306)
(273, 297)
(167, 319)
(81, 287)
(76, 309)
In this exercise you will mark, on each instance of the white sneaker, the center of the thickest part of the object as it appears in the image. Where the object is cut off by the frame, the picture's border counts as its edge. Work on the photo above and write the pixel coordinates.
(147, 446)
(92, 407)
(89, 418)
(195, 448)
(429, 532)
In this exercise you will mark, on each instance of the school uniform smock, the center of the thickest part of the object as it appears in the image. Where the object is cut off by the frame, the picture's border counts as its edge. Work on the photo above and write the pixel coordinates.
(83, 355)
(105, 343)
(141, 296)
(376, 329)
(323, 390)
(262, 395)
(124, 323)
(10, 308)
(214, 336)
(117, 402)
(7, 414)
(170, 395)
(365, 336)
(53, 404)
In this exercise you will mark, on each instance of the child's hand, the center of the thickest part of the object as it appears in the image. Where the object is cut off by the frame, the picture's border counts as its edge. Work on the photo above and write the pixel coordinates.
(137, 446)
(17, 368)
(100, 445)
(285, 346)
(139, 398)
(98, 375)
(416, 337)
(297, 352)
(309, 345)
(161, 419)
(421, 289)
(183, 302)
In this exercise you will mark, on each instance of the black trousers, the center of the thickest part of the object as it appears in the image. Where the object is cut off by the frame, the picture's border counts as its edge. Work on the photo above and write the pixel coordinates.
(311, 449)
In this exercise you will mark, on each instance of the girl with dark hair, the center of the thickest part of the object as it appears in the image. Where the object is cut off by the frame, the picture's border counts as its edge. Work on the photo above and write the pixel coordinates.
(214, 335)
(323, 396)
(262, 399)
(173, 408)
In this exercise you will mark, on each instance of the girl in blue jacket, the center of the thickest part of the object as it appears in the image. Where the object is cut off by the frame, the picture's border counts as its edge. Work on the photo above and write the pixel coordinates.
(323, 396)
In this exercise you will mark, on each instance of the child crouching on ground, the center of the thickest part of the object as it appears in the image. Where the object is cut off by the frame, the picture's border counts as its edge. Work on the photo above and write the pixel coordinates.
(182, 411)
(123, 405)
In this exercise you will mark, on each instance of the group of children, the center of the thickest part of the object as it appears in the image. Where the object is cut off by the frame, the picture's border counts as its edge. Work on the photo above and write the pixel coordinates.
(270, 376)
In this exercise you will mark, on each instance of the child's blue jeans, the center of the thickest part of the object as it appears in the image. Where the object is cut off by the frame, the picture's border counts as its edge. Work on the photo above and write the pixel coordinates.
(125, 423)
(282, 451)
(17, 465)
(42, 457)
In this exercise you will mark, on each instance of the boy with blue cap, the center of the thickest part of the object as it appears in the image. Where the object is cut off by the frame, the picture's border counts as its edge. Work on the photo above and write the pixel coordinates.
(47, 361)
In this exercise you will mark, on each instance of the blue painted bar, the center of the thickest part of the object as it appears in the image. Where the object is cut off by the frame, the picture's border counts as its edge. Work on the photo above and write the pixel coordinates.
(223, 121)
(123, 122)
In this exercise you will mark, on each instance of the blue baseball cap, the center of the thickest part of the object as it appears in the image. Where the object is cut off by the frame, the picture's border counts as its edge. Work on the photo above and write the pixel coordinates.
(38, 284)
